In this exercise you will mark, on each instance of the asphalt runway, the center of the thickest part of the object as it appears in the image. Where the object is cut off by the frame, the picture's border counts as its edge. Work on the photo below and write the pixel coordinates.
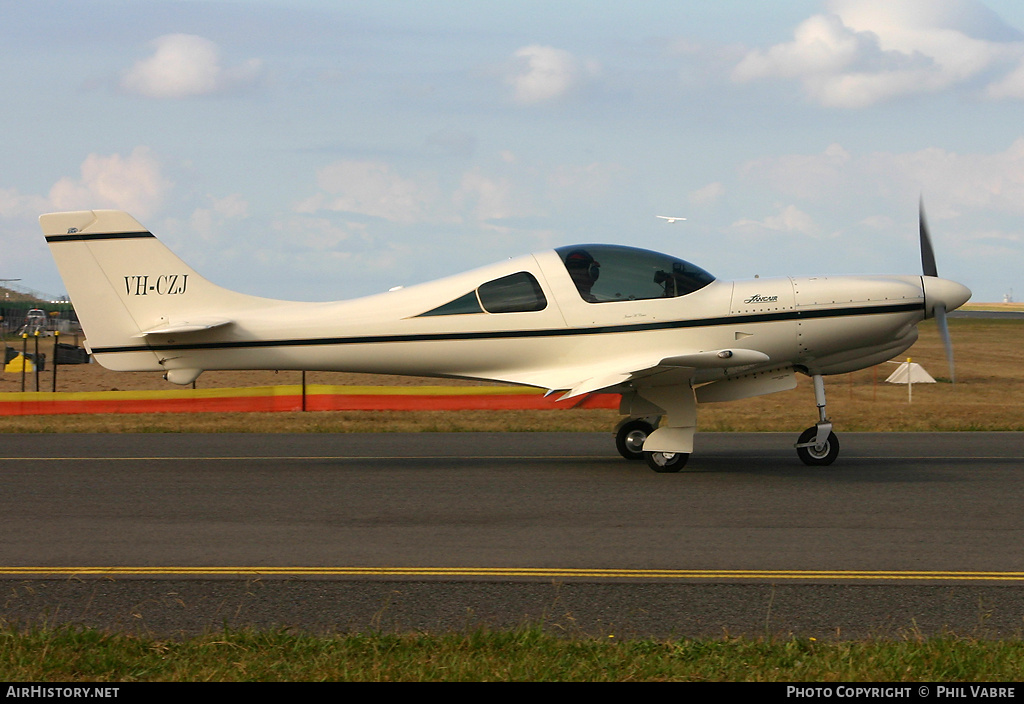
(165, 533)
(990, 314)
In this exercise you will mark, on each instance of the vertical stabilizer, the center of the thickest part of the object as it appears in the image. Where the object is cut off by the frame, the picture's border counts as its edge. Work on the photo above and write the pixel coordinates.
(124, 283)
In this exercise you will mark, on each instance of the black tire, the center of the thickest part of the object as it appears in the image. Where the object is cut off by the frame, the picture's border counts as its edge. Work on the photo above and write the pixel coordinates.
(666, 462)
(817, 457)
(630, 437)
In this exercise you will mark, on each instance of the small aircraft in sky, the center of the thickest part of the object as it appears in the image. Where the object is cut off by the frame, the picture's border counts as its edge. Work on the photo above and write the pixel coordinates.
(660, 331)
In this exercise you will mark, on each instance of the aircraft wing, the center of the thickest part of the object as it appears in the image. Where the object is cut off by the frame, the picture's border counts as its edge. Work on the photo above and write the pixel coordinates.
(577, 381)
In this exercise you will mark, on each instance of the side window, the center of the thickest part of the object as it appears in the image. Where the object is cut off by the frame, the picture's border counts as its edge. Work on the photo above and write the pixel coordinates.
(460, 306)
(517, 293)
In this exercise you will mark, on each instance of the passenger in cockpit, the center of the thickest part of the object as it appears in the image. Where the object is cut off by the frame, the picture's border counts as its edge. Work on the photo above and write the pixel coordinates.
(584, 271)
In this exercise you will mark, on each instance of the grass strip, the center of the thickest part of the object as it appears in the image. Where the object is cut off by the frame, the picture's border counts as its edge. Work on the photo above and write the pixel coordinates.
(526, 654)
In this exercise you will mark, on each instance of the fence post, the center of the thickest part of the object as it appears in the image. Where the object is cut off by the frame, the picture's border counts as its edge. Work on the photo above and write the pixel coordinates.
(56, 341)
(24, 357)
(37, 359)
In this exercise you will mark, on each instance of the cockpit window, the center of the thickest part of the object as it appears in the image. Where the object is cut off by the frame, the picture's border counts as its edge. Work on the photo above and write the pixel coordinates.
(606, 273)
(517, 293)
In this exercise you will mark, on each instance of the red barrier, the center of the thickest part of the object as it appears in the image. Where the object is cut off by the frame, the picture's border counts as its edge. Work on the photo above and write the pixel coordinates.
(290, 398)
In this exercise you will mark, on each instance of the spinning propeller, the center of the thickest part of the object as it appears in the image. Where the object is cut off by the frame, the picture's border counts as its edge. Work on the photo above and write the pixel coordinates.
(940, 295)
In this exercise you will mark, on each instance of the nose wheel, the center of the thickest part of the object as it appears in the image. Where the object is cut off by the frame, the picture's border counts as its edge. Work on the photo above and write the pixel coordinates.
(815, 453)
(818, 445)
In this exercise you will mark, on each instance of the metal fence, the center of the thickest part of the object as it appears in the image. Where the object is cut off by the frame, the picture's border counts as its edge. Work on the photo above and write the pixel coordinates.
(18, 317)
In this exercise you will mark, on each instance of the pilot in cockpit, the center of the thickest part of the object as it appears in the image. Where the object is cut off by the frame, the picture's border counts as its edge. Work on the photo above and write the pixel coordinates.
(584, 271)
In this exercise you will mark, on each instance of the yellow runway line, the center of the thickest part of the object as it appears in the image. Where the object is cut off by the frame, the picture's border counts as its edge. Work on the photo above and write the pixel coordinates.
(511, 572)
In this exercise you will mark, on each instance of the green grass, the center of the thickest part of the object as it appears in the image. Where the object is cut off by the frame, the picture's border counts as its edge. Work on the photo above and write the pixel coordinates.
(527, 654)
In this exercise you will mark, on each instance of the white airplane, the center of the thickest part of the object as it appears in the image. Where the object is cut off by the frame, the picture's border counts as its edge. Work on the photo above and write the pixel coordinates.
(669, 218)
(660, 331)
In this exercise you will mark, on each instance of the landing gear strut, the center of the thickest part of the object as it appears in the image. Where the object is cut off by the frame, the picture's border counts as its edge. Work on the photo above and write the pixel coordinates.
(660, 426)
(818, 445)
(630, 437)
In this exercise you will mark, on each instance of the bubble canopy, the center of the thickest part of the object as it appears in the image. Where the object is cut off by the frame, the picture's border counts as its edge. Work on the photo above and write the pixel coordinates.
(606, 273)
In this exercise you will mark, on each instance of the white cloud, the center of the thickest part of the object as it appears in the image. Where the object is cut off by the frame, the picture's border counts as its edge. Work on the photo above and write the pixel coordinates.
(209, 222)
(802, 175)
(960, 180)
(952, 181)
(16, 205)
(373, 188)
(486, 197)
(185, 65)
(821, 45)
(589, 184)
(539, 74)
(789, 219)
(480, 196)
(232, 206)
(452, 142)
(322, 235)
(708, 195)
(866, 51)
(133, 183)
(1010, 86)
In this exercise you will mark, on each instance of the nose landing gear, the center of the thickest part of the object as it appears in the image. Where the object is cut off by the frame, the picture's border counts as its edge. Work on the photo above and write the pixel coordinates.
(813, 452)
(818, 445)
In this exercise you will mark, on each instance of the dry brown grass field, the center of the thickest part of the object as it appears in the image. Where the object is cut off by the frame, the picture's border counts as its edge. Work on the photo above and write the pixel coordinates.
(988, 395)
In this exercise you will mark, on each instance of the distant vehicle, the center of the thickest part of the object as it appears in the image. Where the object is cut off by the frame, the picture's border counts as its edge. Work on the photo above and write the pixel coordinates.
(660, 331)
(35, 321)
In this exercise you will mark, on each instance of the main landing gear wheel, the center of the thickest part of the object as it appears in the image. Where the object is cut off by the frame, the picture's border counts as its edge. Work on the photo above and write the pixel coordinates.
(630, 438)
(666, 462)
(817, 455)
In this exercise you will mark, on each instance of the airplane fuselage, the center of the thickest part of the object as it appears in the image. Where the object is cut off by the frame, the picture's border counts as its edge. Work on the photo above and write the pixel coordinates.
(825, 325)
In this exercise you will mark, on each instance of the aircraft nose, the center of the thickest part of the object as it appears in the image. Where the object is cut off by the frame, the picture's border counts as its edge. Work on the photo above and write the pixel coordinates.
(949, 294)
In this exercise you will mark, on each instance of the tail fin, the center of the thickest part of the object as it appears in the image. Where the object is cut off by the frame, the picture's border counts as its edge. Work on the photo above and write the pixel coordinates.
(125, 284)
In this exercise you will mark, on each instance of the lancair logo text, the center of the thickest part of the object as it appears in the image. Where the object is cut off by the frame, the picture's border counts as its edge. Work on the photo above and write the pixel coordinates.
(758, 298)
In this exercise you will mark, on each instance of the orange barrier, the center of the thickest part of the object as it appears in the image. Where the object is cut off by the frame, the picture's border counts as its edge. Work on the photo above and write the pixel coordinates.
(290, 398)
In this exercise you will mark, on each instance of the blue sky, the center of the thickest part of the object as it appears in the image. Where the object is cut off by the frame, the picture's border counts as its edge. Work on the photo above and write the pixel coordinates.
(323, 150)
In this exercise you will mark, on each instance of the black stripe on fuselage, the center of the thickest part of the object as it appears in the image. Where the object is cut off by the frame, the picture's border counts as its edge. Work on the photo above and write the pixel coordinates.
(84, 236)
(794, 315)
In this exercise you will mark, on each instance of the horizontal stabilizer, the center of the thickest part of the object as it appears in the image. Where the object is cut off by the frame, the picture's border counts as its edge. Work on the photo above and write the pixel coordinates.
(184, 327)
